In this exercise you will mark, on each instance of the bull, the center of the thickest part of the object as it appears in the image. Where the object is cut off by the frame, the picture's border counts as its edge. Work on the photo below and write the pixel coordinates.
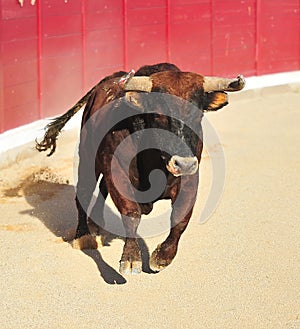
(124, 137)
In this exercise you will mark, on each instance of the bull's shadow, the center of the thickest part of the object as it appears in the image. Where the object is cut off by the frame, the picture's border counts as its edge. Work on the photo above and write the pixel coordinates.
(54, 205)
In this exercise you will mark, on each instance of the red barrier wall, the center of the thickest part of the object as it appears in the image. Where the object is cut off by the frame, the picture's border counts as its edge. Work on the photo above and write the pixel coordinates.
(54, 51)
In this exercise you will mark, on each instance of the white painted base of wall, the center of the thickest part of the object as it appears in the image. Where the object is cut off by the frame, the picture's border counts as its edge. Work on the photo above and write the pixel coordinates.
(271, 80)
(28, 133)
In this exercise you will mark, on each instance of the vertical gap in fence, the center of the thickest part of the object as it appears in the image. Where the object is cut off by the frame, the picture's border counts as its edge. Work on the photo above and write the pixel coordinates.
(168, 28)
(125, 36)
(39, 58)
(298, 11)
(1, 76)
(83, 41)
(212, 37)
(257, 37)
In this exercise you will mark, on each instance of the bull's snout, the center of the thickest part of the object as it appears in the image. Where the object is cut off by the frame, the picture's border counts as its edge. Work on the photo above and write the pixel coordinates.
(179, 166)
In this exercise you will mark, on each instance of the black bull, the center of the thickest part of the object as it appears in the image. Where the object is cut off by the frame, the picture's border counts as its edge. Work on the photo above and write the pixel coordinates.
(147, 144)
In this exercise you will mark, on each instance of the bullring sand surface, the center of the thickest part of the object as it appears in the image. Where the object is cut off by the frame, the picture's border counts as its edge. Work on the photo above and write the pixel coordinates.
(240, 269)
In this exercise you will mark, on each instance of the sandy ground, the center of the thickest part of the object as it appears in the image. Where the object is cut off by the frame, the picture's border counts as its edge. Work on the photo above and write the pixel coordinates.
(240, 269)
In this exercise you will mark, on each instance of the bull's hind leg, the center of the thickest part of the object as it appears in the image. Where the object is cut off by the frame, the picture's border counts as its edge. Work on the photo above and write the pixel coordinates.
(85, 188)
(83, 238)
(96, 218)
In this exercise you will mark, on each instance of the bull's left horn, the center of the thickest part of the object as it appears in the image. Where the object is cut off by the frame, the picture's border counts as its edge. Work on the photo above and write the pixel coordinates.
(223, 84)
(139, 84)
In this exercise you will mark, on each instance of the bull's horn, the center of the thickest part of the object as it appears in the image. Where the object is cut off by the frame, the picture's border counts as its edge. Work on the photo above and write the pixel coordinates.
(223, 84)
(125, 78)
(139, 84)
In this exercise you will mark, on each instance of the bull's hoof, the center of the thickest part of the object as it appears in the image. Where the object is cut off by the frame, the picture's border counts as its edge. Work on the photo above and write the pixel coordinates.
(127, 267)
(85, 242)
(157, 263)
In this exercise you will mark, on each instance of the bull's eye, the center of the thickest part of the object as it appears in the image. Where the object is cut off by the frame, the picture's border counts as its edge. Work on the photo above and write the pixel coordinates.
(160, 119)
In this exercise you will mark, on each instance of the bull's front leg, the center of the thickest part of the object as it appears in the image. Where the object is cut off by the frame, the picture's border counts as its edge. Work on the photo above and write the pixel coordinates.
(131, 260)
(182, 209)
(164, 253)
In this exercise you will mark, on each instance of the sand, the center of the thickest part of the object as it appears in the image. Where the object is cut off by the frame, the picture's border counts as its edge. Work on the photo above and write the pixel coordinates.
(239, 269)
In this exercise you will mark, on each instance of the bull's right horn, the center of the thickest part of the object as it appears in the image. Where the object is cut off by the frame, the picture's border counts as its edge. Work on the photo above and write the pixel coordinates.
(141, 83)
(223, 84)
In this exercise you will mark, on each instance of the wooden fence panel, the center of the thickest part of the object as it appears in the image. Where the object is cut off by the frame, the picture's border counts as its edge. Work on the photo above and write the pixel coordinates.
(54, 51)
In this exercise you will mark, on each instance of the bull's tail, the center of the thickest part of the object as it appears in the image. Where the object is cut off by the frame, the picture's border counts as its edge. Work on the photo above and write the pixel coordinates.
(54, 128)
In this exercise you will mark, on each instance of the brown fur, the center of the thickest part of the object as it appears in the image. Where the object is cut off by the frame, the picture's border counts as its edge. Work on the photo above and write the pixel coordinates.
(181, 84)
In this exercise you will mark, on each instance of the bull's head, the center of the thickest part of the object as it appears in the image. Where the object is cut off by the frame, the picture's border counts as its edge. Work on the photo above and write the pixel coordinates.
(177, 101)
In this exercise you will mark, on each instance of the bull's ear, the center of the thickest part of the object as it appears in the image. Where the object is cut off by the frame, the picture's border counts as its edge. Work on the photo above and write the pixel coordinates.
(215, 100)
(134, 99)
